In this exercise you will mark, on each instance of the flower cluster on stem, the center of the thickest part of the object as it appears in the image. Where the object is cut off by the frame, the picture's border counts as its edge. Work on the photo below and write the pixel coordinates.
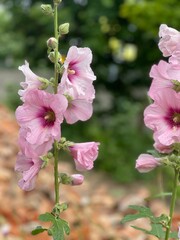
(42, 113)
(162, 116)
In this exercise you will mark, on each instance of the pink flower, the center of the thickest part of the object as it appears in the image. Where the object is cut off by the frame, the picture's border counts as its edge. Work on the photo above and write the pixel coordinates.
(77, 179)
(159, 146)
(29, 167)
(77, 71)
(31, 80)
(163, 117)
(169, 38)
(175, 58)
(42, 113)
(30, 150)
(78, 108)
(84, 155)
(146, 163)
(163, 76)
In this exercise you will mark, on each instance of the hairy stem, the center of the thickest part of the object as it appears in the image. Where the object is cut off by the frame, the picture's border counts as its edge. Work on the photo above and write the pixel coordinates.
(56, 179)
(172, 206)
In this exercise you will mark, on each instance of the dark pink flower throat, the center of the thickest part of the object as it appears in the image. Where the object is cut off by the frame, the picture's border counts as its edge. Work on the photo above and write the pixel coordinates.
(173, 118)
(47, 117)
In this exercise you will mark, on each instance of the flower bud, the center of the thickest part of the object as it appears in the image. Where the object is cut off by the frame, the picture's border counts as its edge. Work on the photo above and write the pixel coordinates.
(146, 163)
(64, 28)
(47, 9)
(51, 57)
(52, 43)
(77, 179)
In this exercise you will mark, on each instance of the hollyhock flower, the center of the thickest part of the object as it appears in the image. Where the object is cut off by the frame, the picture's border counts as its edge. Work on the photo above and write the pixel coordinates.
(79, 108)
(42, 113)
(30, 150)
(31, 80)
(169, 38)
(77, 179)
(159, 146)
(146, 163)
(84, 155)
(163, 116)
(29, 167)
(77, 71)
(175, 57)
(164, 75)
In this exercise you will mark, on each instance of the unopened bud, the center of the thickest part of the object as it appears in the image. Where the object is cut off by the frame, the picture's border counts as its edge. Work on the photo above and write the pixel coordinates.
(52, 43)
(51, 56)
(64, 28)
(77, 179)
(47, 9)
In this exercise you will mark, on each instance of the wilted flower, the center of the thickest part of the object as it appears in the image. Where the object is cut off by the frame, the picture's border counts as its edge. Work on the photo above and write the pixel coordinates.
(32, 149)
(84, 155)
(169, 38)
(31, 80)
(29, 167)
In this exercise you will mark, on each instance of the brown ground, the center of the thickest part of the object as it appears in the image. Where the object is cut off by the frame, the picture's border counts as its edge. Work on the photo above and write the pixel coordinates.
(95, 208)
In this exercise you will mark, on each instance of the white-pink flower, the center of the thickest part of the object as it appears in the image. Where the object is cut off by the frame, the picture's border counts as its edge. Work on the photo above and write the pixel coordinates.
(163, 116)
(146, 163)
(169, 38)
(31, 80)
(42, 113)
(31, 150)
(84, 154)
(77, 71)
(163, 76)
(29, 167)
(79, 108)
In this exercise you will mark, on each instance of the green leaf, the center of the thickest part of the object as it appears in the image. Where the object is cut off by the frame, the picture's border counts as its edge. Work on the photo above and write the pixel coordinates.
(66, 227)
(58, 228)
(38, 230)
(144, 212)
(156, 230)
(47, 217)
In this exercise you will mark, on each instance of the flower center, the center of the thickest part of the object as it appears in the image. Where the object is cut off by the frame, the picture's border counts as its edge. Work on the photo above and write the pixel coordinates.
(176, 118)
(48, 117)
(71, 71)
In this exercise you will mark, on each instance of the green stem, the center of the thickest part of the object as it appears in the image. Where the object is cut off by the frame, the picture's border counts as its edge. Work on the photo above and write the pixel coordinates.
(56, 178)
(172, 206)
(56, 49)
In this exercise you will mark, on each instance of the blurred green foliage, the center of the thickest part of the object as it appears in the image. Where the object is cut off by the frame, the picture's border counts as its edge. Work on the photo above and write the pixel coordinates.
(123, 36)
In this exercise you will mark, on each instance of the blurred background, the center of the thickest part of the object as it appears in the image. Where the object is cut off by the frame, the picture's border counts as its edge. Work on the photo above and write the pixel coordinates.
(123, 36)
